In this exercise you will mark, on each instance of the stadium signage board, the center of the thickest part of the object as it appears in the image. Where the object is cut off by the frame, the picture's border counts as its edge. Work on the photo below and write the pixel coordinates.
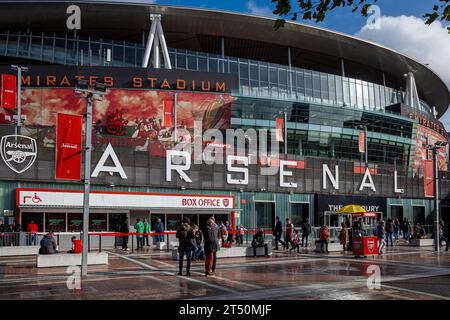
(131, 78)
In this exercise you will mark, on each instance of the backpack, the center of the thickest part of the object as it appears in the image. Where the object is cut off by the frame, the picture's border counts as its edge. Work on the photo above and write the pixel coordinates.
(184, 234)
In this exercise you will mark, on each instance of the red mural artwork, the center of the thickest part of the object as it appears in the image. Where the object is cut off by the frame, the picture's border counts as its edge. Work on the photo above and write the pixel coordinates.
(126, 118)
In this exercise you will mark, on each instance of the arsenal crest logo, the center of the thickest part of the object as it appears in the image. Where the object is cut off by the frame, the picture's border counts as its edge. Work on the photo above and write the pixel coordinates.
(226, 202)
(18, 152)
(370, 244)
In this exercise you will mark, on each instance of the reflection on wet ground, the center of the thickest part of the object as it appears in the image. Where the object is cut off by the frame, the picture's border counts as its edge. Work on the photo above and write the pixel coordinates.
(406, 273)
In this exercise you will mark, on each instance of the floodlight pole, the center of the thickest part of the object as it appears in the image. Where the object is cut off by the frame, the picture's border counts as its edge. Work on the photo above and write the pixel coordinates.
(87, 184)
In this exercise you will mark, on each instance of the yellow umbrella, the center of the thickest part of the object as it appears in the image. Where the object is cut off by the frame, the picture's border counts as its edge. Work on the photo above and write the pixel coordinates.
(351, 208)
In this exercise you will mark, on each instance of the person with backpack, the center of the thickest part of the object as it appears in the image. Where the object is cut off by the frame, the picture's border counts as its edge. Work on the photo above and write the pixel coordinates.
(48, 244)
(389, 230)
(184, 234)
(146, 231)
(381, 234)
(139, 227)
(289, 231)
(324, 238)
(306, 231)
(277, 232)
(258, 241)
(211, 240)
(295, 242)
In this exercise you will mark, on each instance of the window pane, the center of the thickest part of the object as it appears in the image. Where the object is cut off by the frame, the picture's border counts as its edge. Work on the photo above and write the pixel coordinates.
(75, 222)
(173, 221)
(55, 222)
(97, 222)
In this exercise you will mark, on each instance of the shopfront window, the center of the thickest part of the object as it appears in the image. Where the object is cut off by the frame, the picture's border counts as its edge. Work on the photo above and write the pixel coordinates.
(173, 220)
(55, 222)
(116, 220)
(75, 222)
(299, 213)
(265, 214)
(37, 217)
(98, 222)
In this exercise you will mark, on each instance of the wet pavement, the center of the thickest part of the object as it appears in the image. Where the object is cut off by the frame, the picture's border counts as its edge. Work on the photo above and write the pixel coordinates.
(405, 273)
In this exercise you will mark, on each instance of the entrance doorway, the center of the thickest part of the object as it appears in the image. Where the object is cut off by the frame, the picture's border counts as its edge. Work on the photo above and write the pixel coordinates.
(265, 215)
(397, 213)
(419, 214)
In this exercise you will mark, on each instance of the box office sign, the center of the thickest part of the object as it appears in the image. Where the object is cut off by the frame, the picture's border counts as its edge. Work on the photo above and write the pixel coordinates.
(74, 199)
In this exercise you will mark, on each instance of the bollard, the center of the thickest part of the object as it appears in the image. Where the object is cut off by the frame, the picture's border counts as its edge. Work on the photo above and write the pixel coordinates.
(167, 243)
(89, 242)
(132, 243)
(57, 239)
(99, 243)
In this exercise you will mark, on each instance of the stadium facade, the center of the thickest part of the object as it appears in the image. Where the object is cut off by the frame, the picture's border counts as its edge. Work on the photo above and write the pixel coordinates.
(229, 71)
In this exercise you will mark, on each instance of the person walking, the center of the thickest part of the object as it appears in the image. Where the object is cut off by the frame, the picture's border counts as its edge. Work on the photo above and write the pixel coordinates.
(324, 238)
(229, 238)
(139, 227)
(185, 235)
(211, 241)
(389, 230)
(146, 232)
(32, 229)
(381, 234)
(277, 232)
(124, 230)
(343, 236)
(289, 231)
(396, 227)
(295, 242)
(306, 231)
(407, 230)
(217, 230)
(258, 241)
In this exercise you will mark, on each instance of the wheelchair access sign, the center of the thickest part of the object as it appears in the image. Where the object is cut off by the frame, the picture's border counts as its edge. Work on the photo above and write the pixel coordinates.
(18, 152)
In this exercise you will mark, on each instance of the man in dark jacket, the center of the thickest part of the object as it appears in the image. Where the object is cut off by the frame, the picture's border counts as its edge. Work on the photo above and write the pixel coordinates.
(184, 235)
(389, 231)
(278, 232)
(306, 231)
(211, 240)
(125, 229)
(258, 241)
(48, 244)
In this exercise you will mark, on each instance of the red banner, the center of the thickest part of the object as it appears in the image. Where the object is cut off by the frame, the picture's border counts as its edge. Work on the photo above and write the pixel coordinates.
(68, 146)
(279, 129)
(9, 91)
(362, 142)
(428, 178)
(168, 113)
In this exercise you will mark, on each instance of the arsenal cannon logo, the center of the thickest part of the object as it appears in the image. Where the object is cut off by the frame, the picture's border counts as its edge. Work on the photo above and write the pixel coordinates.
(18, 152)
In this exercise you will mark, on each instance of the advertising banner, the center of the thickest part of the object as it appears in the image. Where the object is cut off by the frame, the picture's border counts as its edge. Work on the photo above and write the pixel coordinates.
(168, 113)
(9, 91)
(428, 178)
(68, 146)
(362, 142)
(279, 129)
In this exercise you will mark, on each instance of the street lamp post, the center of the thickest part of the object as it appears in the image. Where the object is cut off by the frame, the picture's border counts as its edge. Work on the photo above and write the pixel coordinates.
(96, 93)
(435, 148)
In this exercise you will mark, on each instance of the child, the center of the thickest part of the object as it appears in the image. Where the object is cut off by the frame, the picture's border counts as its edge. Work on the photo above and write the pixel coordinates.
(295, 242)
